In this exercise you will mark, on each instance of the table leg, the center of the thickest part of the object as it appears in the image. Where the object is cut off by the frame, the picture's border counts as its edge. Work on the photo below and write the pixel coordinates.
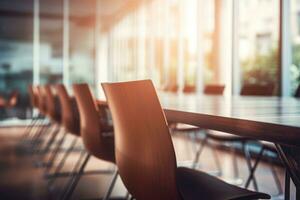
(287, 186)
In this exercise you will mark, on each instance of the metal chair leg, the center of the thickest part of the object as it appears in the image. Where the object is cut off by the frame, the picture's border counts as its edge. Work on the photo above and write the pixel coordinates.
(252, 171)
(55, 152)
(235, 163)
(46, 131)
(37, 133)
(198, 153)
(43, 129)
(63, 160)
(217, 161)
(28, 130)
(50, 141)
(112, 184)
(287, 186)
(248, 161)
(74, 171)
(76, 179)
(275, 176)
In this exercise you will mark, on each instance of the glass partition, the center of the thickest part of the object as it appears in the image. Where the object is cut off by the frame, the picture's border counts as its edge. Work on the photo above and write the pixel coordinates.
(51, 41)
(259, 42)
(16, 57)
(82, 42)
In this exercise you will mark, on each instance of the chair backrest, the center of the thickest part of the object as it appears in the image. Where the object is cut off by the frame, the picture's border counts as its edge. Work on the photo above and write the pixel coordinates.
(70, 115)
(189, 89)
(41, 99)
(33, 96)
(90, 127)
(257, 90)
(13, 99)
(214, 89)
(52, 105)
(143, 147)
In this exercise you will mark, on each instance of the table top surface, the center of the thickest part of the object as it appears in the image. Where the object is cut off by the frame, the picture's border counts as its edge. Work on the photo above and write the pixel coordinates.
(279, 116)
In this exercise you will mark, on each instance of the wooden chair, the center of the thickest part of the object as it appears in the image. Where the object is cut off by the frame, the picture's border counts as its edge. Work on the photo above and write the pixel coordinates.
(145, 154)
(53, 105)
(13, 99)
(42, 110)
(70, 113)
(214, 89)
(97, 136)
(71, 123)
(189, 89)
(32, 91)
(52, 110)
(257, 90)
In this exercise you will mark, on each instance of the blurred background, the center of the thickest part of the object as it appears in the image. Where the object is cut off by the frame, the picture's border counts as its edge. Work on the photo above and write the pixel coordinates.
(178, 44)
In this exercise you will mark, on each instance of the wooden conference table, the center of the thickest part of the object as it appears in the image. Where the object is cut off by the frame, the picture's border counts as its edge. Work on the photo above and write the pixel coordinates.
(274, 119)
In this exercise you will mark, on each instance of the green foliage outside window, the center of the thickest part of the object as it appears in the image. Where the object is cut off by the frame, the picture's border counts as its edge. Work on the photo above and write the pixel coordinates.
(261, 69)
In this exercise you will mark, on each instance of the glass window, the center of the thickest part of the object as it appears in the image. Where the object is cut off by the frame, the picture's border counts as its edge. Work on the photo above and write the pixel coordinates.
(189, 29)
(51, 41)
(16, 57)
(82, 42)
(258, 41)
(208, 34)
(295, 42)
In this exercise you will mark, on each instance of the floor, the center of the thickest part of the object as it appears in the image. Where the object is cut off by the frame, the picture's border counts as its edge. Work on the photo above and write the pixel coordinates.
(20, 178)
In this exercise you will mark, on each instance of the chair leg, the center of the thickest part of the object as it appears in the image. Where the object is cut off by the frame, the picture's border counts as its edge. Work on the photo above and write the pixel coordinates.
(248, 161)
(74, 171)
(198, 153)
(39, 135)
(287, 186)
(275, 176)
(253, 168)
(111, 186)
(41, 150)
(26, 134)
(51, 160)
(217, 161)
(235, 163)
(50, 141)
(63, 160)
(76, 179)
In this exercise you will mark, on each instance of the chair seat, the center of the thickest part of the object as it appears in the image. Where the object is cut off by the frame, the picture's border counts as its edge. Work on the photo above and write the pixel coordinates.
(222, 136)
(179, 127)
(196, 185)
(269, 146)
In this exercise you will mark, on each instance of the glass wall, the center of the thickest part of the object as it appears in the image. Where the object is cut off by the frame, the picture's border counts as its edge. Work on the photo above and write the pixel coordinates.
(165, 34)
(36, 39)
(82, 42)
(16, 57)
(295, 44)
(51, 41)
(258, 41)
